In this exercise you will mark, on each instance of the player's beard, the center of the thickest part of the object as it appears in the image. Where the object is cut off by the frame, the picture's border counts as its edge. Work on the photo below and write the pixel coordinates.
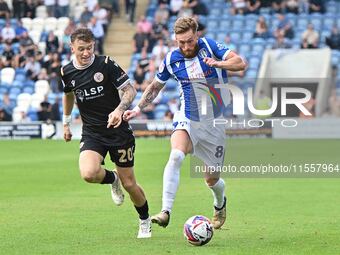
(190, 54)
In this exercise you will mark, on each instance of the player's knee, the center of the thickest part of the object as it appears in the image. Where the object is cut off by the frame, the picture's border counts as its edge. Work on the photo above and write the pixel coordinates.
(89, 174)
(176, 156)
(211, 181)
(129, 184)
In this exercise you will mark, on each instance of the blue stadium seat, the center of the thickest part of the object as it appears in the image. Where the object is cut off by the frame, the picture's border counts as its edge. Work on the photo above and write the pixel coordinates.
(328, 23)
(251, 73)
(212, 24)
(215, 12)
(210, 35)
(237, 24)
(32, 114)
(258, 48)
(250, 23)
(171, 84)
(302, 23)
(28, 89)
(160, 111)
(164, 99)
(317, 23)
(220, 37)
(29, 83)
(20, 71)
(332, 7)
(244, 49)
(17, 83)
(235, 36)
(15, 91)
(247, 36)
(254, 62)
(225, 24)
(20, 78)
(3, 89)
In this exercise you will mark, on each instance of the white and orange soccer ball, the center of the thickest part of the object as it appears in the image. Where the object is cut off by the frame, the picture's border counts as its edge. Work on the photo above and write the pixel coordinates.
(198, 230)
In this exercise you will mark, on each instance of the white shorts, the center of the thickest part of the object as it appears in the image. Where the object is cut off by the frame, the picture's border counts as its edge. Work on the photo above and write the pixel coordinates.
(209, 142)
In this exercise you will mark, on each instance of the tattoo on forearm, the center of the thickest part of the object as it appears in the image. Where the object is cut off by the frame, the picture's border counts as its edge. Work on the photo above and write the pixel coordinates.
(150, 94)
(128, 95)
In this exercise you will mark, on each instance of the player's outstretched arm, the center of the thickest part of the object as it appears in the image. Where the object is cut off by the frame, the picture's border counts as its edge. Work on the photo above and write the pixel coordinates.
(115, 117)
(233, 62)
(148, 96)
(68, 102)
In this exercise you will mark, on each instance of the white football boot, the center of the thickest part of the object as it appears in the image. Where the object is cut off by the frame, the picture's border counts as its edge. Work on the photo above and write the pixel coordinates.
(116, 191)
(144, 228)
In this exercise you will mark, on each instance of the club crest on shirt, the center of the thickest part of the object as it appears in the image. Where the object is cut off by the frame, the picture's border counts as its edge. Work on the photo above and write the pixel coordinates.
(98, 77)
(203, 53)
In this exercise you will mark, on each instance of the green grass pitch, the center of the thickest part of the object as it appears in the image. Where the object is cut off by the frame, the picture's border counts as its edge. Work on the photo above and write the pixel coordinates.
(45, 208)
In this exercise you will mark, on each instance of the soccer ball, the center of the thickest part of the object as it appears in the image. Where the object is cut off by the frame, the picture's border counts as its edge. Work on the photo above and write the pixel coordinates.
(198, 230)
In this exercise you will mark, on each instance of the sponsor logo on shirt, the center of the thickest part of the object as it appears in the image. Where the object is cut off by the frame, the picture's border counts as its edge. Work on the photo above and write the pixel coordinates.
(122, 76)
(90, 93)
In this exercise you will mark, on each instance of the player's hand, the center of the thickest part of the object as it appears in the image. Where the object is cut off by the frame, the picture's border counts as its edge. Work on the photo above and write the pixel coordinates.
(129, 114)
(67, 133)
(211, 62)
(115, 119)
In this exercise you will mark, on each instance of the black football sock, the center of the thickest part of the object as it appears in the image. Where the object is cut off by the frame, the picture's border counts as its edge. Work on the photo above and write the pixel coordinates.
(143, 211)
(109, 177)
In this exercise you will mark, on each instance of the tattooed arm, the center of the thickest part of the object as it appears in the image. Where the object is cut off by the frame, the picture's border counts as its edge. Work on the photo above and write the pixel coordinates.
(127, 96)
(148, 96)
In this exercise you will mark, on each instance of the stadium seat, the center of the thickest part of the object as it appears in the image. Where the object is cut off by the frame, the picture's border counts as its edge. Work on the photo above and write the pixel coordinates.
(35, 35)
(42, 87)
(225, 24)
(237, 24)
(212, 24)
(38, 24)
(328, 23)
(24, 100)
(220, 37)
(36, 99)
(28, 89)
(32, 114)
(41, 11)
(235, 36)
(171, 85)
(20, 78)
(17, 113)
(3, 89)
(27, 23)
(50, 24)
(302, 23)
(62, 23)
(7, 75)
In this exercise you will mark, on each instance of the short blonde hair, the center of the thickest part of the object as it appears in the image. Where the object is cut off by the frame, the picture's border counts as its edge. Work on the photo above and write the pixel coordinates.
(184, 24)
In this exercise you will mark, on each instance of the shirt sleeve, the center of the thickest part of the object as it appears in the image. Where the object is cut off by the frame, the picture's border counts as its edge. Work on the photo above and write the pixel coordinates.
(220, 50)
(119, 78)
(163, 73)
(67, 88)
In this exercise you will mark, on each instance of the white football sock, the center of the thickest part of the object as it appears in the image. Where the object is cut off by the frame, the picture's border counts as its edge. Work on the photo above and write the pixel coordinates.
(171, 178)
(218, 193)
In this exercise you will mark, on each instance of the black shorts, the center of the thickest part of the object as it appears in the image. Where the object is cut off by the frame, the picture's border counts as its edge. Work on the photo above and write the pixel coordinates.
(122, 155)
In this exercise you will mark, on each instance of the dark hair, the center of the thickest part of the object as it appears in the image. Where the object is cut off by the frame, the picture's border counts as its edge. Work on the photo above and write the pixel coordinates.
(83, 34)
